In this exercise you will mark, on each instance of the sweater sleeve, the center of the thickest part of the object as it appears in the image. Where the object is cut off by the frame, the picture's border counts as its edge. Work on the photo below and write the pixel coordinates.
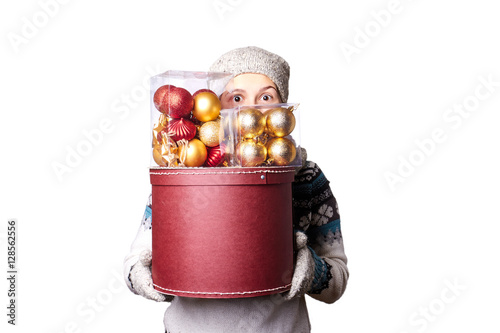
(142, 241)
(316, 213)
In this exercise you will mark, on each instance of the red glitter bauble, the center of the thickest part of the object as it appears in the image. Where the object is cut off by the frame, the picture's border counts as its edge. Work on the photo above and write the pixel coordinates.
(175, 102)
(179, 129)
(215, 156)
(160, 94)
(204, 90)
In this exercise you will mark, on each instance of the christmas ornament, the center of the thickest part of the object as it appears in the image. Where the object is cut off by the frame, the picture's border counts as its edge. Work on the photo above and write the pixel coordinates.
(215, 155)
(280, 122)
(203, 90)
(250, 123)
(163, 120)
(206, 106)
(162, 123)
(250, 153)
(280, 151)
(164, 153)
(159, 97)
(156, 134)
(157, 156)
(192, 153)
(210, 133)
(181, 128)
(175, 102)
(193, 119)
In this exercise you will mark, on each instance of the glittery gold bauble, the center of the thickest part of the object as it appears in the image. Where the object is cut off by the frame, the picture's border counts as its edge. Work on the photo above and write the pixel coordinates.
(206, 106)
(281, 151)
(250, 123)
(210, 133)
(193, 154)
(280, 122)
(251, 153)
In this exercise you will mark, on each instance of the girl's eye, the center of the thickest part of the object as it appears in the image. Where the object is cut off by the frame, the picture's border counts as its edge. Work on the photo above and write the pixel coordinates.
(267, 98)
(237, 98)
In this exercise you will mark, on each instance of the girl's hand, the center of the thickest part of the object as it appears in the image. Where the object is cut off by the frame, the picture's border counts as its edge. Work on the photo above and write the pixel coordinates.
(303, 273)
(142, 281)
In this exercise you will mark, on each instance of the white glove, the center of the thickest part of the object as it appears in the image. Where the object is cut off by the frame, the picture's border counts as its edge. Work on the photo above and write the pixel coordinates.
(303, 273)
(142, 281)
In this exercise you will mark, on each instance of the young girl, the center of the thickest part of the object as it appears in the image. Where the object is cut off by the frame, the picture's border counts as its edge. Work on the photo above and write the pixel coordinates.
(260, 77)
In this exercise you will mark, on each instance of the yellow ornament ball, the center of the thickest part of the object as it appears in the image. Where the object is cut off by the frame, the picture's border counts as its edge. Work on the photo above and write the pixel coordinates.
(210, 133)
(193, 154)
(280, 122)
(250, 123)
(281, 151)
(251, 153)
(206, 106)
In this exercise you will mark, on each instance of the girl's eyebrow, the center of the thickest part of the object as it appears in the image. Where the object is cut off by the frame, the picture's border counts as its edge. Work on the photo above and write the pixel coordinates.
(268, 87)
(228, 93)
(236, 90)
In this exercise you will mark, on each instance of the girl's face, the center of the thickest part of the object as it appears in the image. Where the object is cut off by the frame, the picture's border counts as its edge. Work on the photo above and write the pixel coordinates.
(249, 89)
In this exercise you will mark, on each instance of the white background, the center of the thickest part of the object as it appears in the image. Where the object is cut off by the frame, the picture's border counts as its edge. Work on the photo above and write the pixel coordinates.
(361, 114)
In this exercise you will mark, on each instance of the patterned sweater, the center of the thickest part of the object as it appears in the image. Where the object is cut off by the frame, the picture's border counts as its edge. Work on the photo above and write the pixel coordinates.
(315, 214)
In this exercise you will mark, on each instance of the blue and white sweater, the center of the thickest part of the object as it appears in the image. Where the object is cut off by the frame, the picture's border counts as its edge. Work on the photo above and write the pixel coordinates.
(315, 214)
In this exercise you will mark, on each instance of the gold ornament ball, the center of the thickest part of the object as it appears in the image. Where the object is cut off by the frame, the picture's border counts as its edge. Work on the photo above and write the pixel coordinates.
(250, 123)
(206, 106)
(210, 133)
(281, 151)
(280, 122)
(251, 153)
(193, 154)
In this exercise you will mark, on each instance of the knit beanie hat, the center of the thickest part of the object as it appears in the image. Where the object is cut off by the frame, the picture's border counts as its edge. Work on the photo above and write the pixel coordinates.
(253, 59)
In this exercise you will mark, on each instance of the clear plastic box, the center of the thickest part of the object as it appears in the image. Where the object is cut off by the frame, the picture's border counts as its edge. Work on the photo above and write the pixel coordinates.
(175, 96)
(189, 128)
(261, 135)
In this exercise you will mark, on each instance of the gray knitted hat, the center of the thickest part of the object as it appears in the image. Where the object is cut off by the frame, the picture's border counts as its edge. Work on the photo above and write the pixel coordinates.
(252, 59)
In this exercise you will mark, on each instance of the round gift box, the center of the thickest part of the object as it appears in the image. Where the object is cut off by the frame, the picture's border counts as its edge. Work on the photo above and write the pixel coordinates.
(222, 232)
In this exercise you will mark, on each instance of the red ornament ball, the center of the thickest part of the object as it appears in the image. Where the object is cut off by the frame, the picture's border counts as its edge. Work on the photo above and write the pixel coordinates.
(178, 129)
(215, 155)
(175, 102)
